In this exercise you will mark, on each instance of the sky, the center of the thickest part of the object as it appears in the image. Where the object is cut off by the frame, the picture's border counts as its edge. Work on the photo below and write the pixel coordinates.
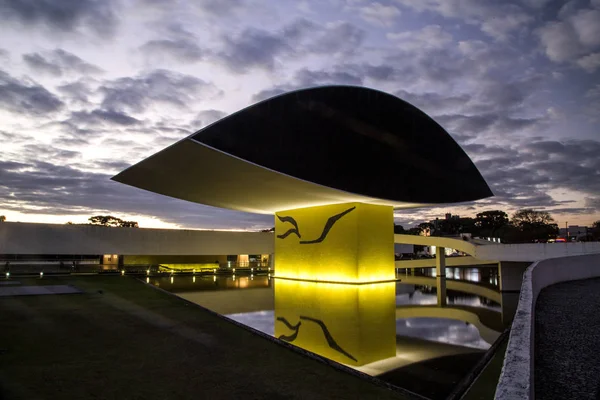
(90, 87)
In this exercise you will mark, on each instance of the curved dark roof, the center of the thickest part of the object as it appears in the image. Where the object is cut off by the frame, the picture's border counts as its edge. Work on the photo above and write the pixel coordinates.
(354, 139)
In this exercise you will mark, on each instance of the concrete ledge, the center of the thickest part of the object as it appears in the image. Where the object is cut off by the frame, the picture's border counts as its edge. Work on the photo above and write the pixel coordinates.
(517, 377)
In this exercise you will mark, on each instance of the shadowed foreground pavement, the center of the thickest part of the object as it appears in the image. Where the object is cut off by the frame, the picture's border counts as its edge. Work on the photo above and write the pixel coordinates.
(121, 339)
(567, 341)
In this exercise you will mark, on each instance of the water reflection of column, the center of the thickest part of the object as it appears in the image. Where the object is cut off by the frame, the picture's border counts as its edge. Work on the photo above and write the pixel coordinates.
(440, 269)
(350, 324)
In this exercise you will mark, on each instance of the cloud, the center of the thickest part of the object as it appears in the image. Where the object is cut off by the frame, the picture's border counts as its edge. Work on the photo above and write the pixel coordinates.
(206, 117)
(573, 37)
(378, 14)
(590, 62)
(77, 91)
(42, 187)
(136, 94)
(219, 7)
(59, 62)
(429, 37)
(62, 16)
(26, 97)
(183, 50)
(497, 19)
(98, 117)
(523, 175)
(337, 39)
(252, 48)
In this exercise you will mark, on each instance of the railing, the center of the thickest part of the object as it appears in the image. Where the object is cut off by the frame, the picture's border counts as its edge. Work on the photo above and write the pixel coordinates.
(517, 377)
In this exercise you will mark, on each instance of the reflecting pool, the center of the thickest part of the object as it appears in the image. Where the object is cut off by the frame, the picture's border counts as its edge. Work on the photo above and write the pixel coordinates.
(395, 331)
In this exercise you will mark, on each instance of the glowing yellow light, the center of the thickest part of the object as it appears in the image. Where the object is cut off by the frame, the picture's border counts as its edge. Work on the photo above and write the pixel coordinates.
(251, 269)
(194, 279)
(214, 278)
(251, 277)
(194, 271)
(359, 318)
(171, 278)
(122, 272)
(234, 270)
(234, 277)
(147, 280)
(7, 274)
(42, 274)
(358, 248)
(215, 271)
(147, 272)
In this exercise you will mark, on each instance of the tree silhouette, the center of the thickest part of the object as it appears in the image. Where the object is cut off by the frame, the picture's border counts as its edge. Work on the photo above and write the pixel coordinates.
(109, 220)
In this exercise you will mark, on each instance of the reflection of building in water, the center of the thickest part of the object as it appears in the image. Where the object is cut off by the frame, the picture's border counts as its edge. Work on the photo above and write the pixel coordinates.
(350, 324)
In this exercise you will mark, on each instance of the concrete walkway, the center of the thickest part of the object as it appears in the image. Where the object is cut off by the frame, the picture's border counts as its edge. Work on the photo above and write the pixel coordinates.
(567, 341)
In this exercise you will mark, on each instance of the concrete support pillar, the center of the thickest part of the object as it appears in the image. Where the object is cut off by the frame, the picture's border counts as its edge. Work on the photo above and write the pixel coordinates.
(440, 275)
(511, 275)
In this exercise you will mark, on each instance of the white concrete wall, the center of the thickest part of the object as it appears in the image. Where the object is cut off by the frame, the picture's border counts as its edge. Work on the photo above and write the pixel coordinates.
(516, 380)
(505, 252)
(25, 238)
(535, 251)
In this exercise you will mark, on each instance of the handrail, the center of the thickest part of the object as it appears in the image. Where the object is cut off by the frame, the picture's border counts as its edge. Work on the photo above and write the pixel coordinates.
(517, 377)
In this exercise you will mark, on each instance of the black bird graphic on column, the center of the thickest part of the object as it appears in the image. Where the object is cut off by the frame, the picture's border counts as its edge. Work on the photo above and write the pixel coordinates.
(328, 225)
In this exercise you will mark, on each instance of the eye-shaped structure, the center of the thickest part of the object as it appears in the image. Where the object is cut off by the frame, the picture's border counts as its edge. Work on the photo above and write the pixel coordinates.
(311, 147)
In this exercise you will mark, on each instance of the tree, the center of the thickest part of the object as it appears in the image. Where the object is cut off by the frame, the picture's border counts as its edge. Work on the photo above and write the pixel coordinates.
(596, 230)
(491, 220)
(129, 224)
(533, 226)
(109, 220)
(2, 218)
(425, 228)
(528, 217)
(398, 229)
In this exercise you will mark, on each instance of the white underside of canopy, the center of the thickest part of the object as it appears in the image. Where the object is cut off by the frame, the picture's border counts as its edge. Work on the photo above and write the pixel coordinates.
(192, 171)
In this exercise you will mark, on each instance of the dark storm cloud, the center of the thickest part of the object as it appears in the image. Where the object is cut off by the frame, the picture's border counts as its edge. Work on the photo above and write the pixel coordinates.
(26, 97)
(63, 190)
(97, 117)
(62, 16)
(183, 50)
(161, 86)
(59, 62)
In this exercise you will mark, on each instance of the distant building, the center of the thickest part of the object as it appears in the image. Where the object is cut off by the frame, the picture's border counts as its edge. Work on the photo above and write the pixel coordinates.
(573, 232)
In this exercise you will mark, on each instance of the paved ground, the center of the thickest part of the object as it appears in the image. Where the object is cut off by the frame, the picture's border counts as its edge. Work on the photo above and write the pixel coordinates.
(567, 341)
(37, 290)
(121, 339)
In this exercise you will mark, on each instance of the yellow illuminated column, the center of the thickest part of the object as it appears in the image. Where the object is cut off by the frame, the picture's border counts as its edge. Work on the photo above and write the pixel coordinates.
(350, 324)
(350, 243)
